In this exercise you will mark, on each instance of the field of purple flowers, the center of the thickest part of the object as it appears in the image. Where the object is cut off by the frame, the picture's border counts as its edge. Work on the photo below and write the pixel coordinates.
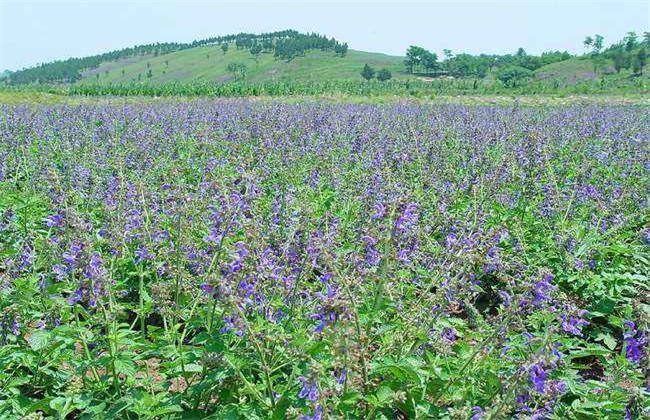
(258, 259)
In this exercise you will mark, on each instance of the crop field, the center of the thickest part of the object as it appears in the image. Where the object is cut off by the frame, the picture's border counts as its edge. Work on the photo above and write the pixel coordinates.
(233, 258)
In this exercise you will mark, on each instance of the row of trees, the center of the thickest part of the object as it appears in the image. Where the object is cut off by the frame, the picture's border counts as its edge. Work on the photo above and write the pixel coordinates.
(285, 45)
(70, 70)
(289, 48)
(421, 61)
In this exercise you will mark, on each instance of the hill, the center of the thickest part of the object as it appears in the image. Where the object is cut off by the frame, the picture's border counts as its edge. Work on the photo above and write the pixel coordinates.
(210, 64)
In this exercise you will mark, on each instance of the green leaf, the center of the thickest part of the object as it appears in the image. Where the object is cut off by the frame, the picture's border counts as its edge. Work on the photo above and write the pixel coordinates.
(39, 340)
(167, 410)
(192, 367)
(609, 341)
(126, 367)
(384, 395)
(592, 351)
(62, 406)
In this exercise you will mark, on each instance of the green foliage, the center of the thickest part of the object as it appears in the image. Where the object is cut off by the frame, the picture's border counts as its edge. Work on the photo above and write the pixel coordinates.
(630, 41)
(237, 69)
(341, 49)
(367, 72)
(621, 61)
(640, 61)
(420, 60)
(384, 74)
(256, 50)
(513, 75)
(367, 88)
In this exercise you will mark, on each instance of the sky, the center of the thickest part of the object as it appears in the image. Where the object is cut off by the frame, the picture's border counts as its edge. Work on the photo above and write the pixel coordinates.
(36, 31)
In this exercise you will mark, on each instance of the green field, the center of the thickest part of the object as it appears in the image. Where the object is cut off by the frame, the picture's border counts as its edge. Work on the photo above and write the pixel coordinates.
(209, 64)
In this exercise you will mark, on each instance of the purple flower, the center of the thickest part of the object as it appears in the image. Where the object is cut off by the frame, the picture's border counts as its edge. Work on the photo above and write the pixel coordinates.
(403, 256)
(541, 289)
(318, 414)
(240, 253)
(15, 326)
(309, 389)
(207, 289)
(449, 335)
(340, 379)
(573, 325)
(451, 240)
(75, 297)
(380, 211)
(408, 218)
(635, 342)
(505, 297)
(141, 254)
(478, 413)
(579, 264)
(54, 220)
(60, 271)
(305, 387)
(538, 377)
(72, 256)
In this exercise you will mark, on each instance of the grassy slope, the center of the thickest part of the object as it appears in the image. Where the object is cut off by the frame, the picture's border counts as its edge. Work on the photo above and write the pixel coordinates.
(208, 64)
(570, 70)
(576, 69)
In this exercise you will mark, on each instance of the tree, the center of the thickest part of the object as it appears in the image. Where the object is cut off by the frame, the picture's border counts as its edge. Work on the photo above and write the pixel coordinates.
(595, 43)
(384, 74)
(511, 76)
(256, 50)
(630, 41)
(418, 58)
(636, 66)
(237, 69)
(367, 72)
(413, 58)
(640, 61)
(599, 62)
(224, 48)
(341, 49)
(598, 43)
(621, 61)
(430, 61)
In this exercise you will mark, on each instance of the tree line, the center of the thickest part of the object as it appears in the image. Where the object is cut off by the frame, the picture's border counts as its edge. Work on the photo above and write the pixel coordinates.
(629, 53)
(421, 61)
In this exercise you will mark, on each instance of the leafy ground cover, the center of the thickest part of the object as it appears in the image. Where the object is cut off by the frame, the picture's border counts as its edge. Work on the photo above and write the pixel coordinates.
(260, 259)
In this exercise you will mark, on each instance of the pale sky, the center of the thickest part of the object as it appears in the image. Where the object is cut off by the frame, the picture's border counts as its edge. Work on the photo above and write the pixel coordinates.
(35, 31)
